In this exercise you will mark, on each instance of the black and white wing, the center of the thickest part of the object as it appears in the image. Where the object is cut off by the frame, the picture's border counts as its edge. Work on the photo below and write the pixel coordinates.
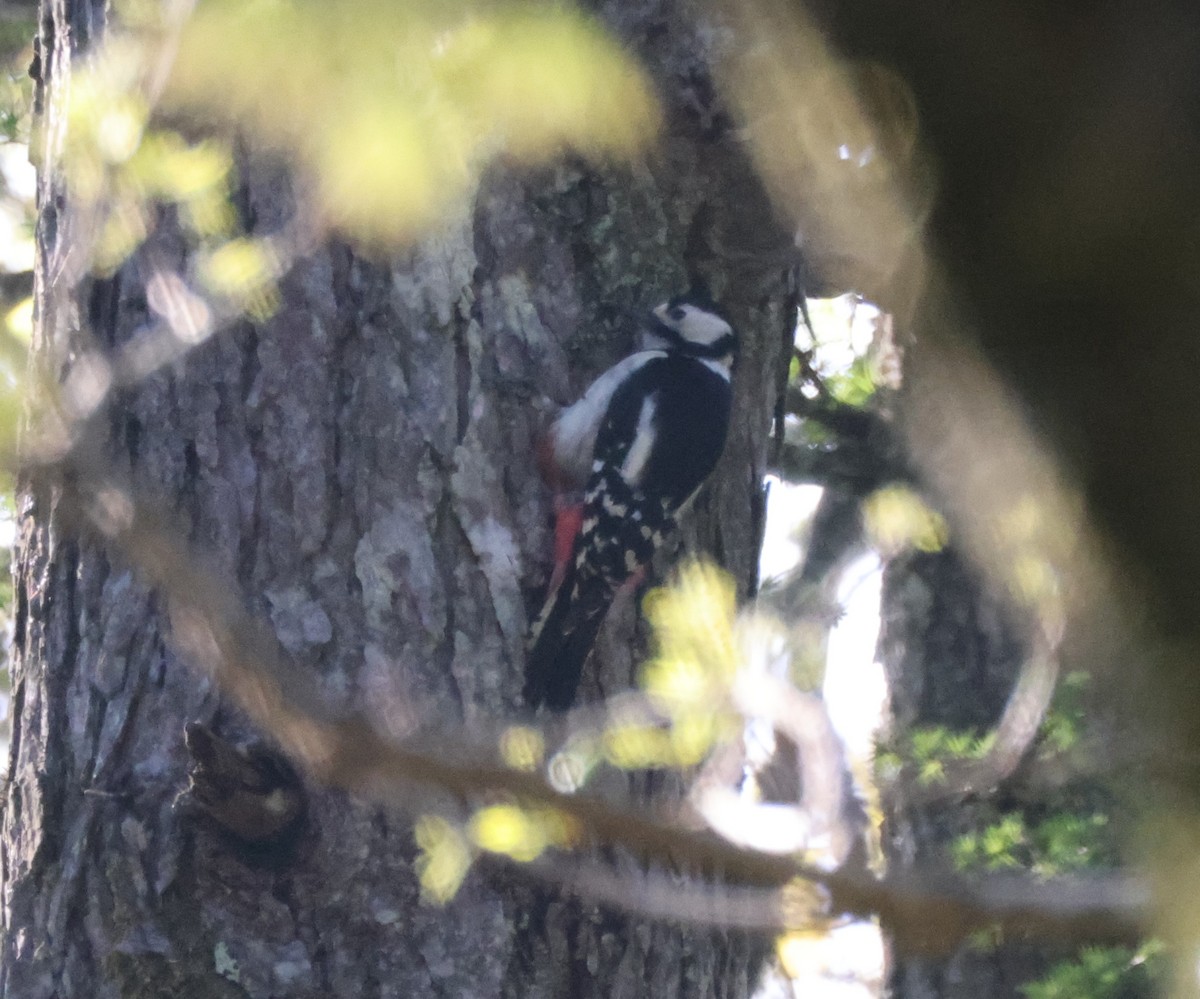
(662, 433)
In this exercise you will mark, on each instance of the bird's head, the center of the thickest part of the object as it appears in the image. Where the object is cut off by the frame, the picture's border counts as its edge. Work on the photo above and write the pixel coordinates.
(688, 324)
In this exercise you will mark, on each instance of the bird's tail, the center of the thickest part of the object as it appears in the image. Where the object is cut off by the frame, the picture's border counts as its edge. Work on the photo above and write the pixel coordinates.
(561, 639)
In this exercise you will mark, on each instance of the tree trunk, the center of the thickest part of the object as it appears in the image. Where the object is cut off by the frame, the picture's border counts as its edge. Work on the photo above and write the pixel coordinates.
(361, 464)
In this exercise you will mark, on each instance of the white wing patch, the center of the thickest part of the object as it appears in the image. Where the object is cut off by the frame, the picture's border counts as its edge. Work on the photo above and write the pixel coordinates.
(643, 441)
(574, 433)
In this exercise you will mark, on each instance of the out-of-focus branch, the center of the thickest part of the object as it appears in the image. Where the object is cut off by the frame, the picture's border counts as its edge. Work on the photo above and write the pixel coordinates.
(1012, 737)
(928, 913)
(922, 912)
(803, 721)
(656, 894)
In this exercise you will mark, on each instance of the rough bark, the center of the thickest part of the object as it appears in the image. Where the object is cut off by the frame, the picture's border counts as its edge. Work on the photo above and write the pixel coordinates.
(361, 465)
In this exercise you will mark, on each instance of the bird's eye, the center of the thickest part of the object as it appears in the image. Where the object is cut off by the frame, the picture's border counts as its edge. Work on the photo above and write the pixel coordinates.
(677, 313)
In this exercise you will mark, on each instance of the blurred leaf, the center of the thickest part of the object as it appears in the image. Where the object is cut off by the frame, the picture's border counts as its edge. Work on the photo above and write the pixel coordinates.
(19, 320)
(634, 747)
(121, 168)
(693, 622)
(392, 109)
(1069, 842)
(1063, 843)
(897, 518)
(521, 833)
(888, 765)
(998, 842)
(167, 166)
(930, 771)
(443, 860)
(995, 847)
(105, 118)
(120, 233)
(522, 747)
(509, 830)
(693, 735)
(243, 271)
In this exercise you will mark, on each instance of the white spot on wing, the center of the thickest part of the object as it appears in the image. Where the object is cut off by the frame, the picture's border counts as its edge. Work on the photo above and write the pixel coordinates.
(643, 442)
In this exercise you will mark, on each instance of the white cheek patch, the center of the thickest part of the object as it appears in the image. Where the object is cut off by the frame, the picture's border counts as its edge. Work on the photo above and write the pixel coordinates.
(643, 443)
(702, 327)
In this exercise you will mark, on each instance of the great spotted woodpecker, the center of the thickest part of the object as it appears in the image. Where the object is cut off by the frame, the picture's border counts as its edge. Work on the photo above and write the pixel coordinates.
(641, 441)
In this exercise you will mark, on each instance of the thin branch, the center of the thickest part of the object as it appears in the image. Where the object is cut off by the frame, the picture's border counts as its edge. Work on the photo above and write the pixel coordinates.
(803, 720)
(656, 894)
(1012, 737)
(920, 911)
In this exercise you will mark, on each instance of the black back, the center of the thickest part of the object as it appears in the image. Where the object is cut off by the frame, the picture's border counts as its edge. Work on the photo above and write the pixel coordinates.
(691, 419)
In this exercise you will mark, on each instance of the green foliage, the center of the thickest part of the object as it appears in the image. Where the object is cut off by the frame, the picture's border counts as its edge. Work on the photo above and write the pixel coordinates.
(856, 385)
(443, 858)
(896, 519)
(385, 111)
(928, 748)
(994, 847)
(1070, 842)
(16, 87)
(925, 751)
(1063, 725)
(1063, 843)
(1101, 973)
(888, 765)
